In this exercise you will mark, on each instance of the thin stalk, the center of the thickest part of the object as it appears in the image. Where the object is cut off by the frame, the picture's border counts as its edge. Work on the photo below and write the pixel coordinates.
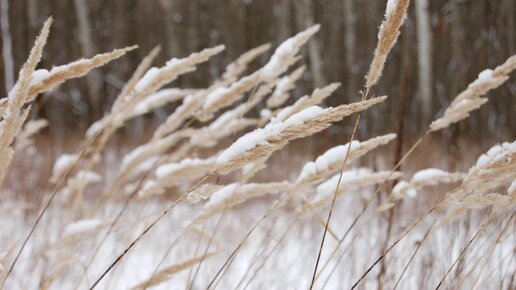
(463, 252)
(208, 247)
(402, 236)
(82, 153)
(427, 233)
(258, 254)
(368, 202)
(328, 219)
(267, 257)
(197, 246)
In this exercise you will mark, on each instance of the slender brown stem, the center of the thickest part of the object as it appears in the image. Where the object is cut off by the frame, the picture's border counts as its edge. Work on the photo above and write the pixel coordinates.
(364, 208)
(58, 185)
(403, 235)
(257, 255)
(463, 252)
(285, 233)
(489, 251)
(138, 238)
(419, 244)
(197, 246)
(333, 201)
(208, 247)
(276, 205)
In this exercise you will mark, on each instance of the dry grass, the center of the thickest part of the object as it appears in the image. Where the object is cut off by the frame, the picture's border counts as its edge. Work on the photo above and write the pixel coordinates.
(114, 226)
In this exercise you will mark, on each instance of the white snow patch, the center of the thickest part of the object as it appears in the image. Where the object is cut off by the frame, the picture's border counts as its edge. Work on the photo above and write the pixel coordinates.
(39, 76)
(403, 189)
(265, 114)
(259, 136)
(274, 65)
(157, 98)
(147, 78)
(133, 155)
(304, 115)
(215, 96)
(485, 75)
(222, 120)
(512, 188)
(167, 169)
(82, 226)
(428, 174)
(391, 4)
(64, 163)
(282, 86)
(328, 188)
(88, 177)
(331, 156)
(221, 195)
(152, 73)
(495, 153)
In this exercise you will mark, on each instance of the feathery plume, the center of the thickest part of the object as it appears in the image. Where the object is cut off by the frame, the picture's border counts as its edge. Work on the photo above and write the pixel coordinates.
(424, 178)
(259, 144)
(286, 54)
(351, 180)
(3, 107)
(332, 161)
(235, 193)
(471, 98)
(160, 98)
(395, 15)
(13, 119)
(77, 184)
(172, 174)
(223, 97)
(283, 88)
(202, 192)
(148, 150)
(497, 167)
(44, 80)
(31, 128)
(190, 105)
(167, 273)
(494, 169)
(234, 69)
(150, 82)
(63, 164)
(317, 96)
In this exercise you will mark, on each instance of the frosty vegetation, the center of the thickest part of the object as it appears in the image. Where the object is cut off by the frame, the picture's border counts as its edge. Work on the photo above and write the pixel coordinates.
(200, 203)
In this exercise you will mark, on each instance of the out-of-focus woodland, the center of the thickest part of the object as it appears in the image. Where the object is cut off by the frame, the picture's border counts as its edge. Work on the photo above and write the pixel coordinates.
(444, 45)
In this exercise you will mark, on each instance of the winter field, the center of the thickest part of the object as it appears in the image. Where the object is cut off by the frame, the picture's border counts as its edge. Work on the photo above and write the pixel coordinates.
(222, 195)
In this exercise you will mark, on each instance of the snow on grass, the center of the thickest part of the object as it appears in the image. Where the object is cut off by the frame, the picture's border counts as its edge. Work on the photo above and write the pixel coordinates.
(82, 226)
(218, 197)
(429, 174)
(404, 189)
(215, 96)
(259, 136)
(167, 169)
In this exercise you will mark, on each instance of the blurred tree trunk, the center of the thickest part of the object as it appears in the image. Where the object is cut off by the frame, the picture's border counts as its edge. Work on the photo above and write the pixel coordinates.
(8, 62)
(305, 19)
(349, 44)
(32, 11)
(93, 79)
(456, 64)
(284, 19)
(172, 42)
(424, 57)
(511, 40)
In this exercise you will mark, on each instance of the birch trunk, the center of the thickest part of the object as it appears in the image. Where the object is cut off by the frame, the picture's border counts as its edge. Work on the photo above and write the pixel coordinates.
(305, 19)
(424, 57)
(93, 79)
(6, 45)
